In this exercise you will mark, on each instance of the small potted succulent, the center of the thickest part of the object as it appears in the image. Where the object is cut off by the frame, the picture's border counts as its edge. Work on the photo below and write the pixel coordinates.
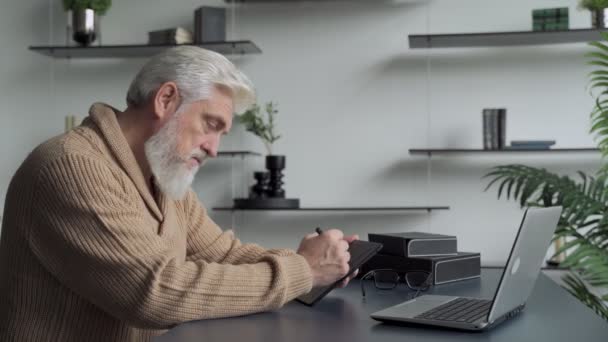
(598, 11)
(83, 18)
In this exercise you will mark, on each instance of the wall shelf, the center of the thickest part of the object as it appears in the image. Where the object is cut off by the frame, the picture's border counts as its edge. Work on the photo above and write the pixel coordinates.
(513, 150)
(358, 209)
(237, 153)
(512, 38)
(237, 47)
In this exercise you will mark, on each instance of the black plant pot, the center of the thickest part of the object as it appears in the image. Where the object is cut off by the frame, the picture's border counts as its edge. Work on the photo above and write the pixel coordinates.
(276, 162)
(85, 25)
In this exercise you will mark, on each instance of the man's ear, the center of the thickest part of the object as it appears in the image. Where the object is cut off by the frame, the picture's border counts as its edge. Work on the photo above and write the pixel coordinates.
(166, 100)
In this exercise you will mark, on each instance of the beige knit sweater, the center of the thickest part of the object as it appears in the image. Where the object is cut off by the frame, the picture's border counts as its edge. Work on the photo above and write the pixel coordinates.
(88, 254)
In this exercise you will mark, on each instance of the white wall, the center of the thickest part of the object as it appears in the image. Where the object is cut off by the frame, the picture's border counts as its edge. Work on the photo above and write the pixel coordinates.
(353, 99)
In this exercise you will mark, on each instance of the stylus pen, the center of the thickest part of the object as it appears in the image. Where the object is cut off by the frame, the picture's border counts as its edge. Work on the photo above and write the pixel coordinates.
(318, 230)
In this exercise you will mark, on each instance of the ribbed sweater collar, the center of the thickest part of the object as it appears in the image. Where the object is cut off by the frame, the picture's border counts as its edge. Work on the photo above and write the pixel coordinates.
(104, 117)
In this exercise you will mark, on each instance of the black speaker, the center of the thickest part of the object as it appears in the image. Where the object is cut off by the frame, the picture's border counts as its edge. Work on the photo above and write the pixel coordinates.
(443, 269)
(209, 24)
(415, 244)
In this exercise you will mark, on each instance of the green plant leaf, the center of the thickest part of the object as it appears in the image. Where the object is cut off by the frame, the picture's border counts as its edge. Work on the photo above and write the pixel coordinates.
(578, 289)
(263, 128)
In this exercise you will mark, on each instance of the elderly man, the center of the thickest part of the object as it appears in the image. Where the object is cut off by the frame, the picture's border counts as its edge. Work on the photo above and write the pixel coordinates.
(102, 238)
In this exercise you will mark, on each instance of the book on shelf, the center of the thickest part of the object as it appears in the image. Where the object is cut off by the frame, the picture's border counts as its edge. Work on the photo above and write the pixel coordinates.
(175, 35)
(550, 19)
(532, 144)
(528, 147)
(494, 128)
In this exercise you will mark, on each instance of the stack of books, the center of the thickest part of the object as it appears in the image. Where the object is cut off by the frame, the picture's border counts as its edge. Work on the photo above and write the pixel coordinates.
(416, 251)
(550, 19)
(494, 128)
(171, 36)
(531, 144)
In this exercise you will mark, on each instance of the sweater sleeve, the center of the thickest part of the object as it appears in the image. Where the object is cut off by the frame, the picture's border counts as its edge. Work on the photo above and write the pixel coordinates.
(207, 241)
(92, 237)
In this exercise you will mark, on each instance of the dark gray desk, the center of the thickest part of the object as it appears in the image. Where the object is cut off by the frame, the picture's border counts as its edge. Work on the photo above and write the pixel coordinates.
(551, 315)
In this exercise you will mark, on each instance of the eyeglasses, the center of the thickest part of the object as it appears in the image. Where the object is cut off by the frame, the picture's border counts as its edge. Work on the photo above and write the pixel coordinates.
(387, 279)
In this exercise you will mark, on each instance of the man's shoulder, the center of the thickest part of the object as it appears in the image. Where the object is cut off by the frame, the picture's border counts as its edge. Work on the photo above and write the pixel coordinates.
(81, 141)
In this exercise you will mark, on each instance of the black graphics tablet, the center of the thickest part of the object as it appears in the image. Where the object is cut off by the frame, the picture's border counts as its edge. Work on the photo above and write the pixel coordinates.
(360, 252)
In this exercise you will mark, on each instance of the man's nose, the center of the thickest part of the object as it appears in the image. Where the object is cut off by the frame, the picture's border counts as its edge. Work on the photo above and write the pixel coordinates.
(211, 146)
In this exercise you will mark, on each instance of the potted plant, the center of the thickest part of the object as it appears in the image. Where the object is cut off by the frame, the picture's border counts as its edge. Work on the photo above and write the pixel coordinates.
(83, 18)
(584, 221)
(263, 128)
(597, 8)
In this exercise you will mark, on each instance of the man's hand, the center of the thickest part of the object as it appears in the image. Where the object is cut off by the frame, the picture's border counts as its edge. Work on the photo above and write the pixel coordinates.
(344, 282)
(328, 256)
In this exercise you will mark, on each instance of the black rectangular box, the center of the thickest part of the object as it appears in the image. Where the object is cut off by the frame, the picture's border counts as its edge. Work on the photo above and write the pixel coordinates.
(209, 24)
(415, 244)
(443, 269)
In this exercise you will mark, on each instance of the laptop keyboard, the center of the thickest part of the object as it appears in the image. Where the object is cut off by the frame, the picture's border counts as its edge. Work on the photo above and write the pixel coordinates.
(459, 310)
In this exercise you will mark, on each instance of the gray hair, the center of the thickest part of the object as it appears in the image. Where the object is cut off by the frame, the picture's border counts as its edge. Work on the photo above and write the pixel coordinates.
(195, 71)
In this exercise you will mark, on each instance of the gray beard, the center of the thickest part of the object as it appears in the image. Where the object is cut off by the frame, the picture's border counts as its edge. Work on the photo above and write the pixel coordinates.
(170, 171)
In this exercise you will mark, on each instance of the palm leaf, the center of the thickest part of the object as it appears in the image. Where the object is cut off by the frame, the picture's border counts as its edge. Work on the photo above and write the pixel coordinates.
(579, 290)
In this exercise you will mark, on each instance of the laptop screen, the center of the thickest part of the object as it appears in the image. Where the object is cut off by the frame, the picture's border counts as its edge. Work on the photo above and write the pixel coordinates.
(525, 260)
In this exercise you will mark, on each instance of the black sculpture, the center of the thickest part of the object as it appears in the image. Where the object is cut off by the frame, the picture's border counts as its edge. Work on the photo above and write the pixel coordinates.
(268, 192)
(260, 188)
(276, 164)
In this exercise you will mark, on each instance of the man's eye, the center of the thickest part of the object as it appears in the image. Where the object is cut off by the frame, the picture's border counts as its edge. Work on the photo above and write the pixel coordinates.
(212, 124)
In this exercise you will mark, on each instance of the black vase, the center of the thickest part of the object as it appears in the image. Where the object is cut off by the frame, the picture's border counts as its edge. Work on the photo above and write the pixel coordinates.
(275, 165)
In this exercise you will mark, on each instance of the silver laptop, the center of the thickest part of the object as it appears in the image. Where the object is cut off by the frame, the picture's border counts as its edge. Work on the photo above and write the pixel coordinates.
(516, 284)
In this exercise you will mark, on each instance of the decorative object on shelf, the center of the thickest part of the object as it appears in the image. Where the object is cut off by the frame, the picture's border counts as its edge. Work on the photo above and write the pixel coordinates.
(275, 164)
(174, 35)
(274, 194)
(598, 11)
(209, 24)
(83, 19)
(260, 188)
(584, 220)
(550, 19)
(494, 128)
(531, 144)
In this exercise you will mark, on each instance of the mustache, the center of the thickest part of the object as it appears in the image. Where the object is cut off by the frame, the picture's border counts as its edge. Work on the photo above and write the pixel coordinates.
(201, 156)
